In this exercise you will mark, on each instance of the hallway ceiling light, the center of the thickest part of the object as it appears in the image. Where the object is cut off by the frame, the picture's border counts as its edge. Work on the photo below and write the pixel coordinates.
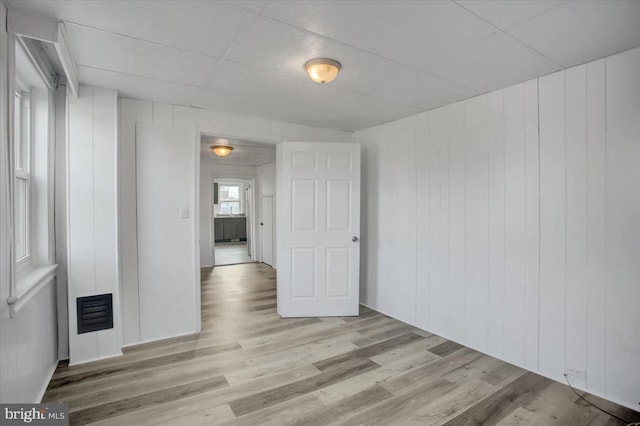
(322, 70)
(222, 150)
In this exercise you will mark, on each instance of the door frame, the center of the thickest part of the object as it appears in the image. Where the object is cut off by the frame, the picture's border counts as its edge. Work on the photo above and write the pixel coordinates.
(252, 216)
(273, 229)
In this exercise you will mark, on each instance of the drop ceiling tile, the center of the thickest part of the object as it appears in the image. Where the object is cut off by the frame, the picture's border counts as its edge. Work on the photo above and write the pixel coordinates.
(503, 13)
(320, 106)
(99, 49)
(581, 31)
(252, 5)
(129, 86)
(283, 49)
(233, 77)
(498, 61)
(412, 33)
(304, 95)
(275, 109)
(207, 27)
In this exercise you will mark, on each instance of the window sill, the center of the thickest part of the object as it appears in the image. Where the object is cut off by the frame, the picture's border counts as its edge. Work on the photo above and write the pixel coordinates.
(28, 284)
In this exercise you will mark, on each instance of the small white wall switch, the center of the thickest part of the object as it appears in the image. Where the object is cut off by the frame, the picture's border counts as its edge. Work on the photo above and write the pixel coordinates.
(576, 372)
(184, 212)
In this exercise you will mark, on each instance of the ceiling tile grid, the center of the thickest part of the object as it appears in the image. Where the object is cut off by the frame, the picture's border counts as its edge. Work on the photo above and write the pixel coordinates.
(398, 57)
(206, 27)
(582, 31)
(108, 51)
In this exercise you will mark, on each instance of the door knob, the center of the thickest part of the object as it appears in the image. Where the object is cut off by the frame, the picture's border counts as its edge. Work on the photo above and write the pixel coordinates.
(354, 239)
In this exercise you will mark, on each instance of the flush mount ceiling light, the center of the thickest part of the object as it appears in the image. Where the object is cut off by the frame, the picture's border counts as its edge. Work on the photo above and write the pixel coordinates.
(322, 70)
(222, 150)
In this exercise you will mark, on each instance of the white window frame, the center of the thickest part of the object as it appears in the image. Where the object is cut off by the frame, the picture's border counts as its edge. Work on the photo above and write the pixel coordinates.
(23, 132)
(228, 200)
(37, 268)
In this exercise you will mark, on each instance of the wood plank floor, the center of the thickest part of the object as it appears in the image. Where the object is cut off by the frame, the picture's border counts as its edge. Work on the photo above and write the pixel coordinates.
(250, 367)
(232, 253)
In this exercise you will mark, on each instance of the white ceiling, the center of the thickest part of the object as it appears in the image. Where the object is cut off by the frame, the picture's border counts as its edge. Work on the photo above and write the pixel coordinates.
(245, 153)
(398, 57)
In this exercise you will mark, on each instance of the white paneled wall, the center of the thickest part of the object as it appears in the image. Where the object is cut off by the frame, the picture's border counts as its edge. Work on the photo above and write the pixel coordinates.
(508, 222)
(132, 112)
(92, 240)
(622, 291)
(165, 187)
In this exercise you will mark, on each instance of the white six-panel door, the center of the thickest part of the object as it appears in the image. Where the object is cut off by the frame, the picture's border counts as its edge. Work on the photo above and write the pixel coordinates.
(319, 250)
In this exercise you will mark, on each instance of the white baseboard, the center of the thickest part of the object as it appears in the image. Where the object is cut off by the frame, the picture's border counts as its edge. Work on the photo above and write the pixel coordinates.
(142, 342)
(45, 385)
(101, 358)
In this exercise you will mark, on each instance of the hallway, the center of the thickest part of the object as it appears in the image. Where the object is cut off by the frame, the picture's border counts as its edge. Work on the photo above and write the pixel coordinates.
(251, 367)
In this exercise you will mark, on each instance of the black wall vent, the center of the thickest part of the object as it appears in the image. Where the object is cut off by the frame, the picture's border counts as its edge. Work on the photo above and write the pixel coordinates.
(94, 313)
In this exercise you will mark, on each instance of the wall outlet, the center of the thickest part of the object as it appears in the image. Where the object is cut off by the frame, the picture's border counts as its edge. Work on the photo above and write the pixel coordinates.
(576, 372)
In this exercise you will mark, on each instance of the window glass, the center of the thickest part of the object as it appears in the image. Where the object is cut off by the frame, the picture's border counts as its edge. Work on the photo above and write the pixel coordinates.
(18, 144)
(21, 144)
(229, 207)
(229, 192)
(21, 212)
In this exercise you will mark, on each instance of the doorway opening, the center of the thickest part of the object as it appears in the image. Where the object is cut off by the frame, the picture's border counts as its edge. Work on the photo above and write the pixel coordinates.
(237, 202)
(233, 215)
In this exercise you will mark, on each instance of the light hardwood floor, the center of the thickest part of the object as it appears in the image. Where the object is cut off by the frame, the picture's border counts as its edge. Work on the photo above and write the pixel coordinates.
(250, 367)
(231, 253)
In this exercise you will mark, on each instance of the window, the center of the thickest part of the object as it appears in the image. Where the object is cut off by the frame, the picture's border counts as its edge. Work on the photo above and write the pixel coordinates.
(32, 175)
(229, 199)
(22, 183)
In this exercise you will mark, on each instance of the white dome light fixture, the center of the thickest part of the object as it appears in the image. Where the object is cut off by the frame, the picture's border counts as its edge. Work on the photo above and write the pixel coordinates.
(322, 70)
(222, 150)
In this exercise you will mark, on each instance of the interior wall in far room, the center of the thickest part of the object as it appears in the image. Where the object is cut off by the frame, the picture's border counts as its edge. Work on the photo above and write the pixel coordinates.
(267, 187)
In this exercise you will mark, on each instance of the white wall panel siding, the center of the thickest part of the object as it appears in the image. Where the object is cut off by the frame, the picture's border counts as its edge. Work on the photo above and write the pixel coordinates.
(532, 219)
(553, 224)
(496, 323)
(28, 348)
(476, 276)
(576, 219)
(527, 202)
(439, 273)
(456, 231)
(623, 231)
(130, 112)
(515, 223)
(92, 227)
(166, 260)
(423, 157)
(597, 205)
